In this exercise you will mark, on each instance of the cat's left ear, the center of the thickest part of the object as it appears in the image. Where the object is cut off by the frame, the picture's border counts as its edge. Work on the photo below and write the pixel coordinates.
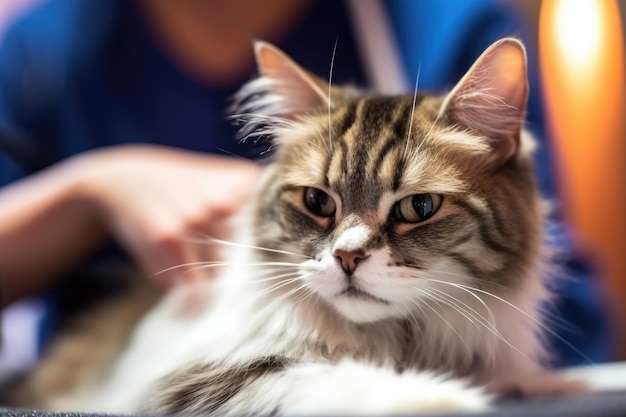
(491, 98)
(297, 90)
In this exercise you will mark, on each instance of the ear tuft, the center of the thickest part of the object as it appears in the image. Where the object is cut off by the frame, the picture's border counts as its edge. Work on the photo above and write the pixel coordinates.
(283, 91)
(299, 90)
(491, 98)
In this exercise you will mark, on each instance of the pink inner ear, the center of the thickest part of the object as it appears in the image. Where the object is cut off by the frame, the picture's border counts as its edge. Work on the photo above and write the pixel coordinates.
(297, 90)
(491, 98)
(510, 68)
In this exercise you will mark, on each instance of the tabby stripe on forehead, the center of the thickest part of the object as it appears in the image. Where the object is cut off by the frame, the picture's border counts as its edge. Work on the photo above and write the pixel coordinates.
(358, 141)
(397, 174)
(340, 125)
(326, 170)
(374, 115)
(486, 233)
(333, 177)
(345, 120)
(393, 137)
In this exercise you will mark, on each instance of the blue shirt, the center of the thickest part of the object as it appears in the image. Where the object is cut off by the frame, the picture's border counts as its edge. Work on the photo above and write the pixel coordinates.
(77, 75)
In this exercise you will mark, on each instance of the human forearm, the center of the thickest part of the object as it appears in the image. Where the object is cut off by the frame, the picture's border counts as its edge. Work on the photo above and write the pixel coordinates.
(45, 228)
(156, 202)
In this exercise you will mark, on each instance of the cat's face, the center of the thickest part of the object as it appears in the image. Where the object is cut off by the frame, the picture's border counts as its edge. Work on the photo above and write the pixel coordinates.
(394, 202)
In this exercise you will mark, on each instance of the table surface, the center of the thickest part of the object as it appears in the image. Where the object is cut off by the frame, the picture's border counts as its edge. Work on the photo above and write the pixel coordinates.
(604, 377)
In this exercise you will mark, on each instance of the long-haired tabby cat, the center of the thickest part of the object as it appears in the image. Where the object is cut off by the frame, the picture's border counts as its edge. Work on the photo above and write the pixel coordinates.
(393, 261)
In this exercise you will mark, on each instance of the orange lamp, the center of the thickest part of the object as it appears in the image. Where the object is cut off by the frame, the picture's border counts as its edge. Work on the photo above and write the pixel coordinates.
(581, 46)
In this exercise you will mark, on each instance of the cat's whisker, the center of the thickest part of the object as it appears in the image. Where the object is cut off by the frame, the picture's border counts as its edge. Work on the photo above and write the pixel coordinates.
(284, 281)
(491, 323)
(480, 320)
(424, 315)
(477, 321)
(276, 286)
(192, 266)
(272, 270)
(209, 240)
(530, 317)
(450, 304)
(273, 278)
(408, 136)
(303, 297)
(557, 321)
(267, 263)
(330, 84)
(267, 274)
(415, 321)
(456, 275)
(262, 276)
(309, 293)
(492, 318)
(438, 314)
(493, 330)
(289, 293)
(204, 264)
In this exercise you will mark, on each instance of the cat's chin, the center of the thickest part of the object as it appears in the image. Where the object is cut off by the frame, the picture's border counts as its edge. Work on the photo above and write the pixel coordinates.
(362, 310)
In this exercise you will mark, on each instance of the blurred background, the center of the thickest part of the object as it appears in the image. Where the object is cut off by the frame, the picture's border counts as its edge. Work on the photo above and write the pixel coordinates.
(581, 56)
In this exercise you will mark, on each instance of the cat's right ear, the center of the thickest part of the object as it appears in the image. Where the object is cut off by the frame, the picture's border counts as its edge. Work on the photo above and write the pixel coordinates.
(491, 98)
(295, 90)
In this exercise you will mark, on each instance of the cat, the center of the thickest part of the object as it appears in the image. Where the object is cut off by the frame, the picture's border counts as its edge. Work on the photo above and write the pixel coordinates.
(391, 260)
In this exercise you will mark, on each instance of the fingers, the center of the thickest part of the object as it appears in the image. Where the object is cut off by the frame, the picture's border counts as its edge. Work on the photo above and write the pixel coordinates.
(184, 252)
(158, 203)
(173, 258)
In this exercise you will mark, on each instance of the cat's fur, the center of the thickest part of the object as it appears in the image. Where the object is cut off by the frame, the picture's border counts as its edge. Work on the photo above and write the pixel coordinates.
(343, 304)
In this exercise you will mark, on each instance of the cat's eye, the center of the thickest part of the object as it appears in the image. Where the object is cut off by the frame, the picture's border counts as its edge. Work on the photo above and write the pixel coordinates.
(416, 208)
(318, 202)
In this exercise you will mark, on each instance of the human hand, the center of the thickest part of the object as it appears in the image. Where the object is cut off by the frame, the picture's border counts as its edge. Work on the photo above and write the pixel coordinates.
(157, 201)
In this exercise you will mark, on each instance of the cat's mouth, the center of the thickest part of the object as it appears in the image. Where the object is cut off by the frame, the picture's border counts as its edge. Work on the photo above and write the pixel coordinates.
(352, 291)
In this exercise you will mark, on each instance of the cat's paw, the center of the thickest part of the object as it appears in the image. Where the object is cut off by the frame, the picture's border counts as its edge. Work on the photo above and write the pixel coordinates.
(543, 384)
(351, 388)
(428, 393)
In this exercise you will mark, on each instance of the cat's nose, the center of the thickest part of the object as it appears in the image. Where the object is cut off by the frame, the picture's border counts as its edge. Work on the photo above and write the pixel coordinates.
(348, 259)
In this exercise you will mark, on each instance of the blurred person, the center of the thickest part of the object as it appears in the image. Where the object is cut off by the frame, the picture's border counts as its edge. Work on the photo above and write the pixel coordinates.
(112, 124)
